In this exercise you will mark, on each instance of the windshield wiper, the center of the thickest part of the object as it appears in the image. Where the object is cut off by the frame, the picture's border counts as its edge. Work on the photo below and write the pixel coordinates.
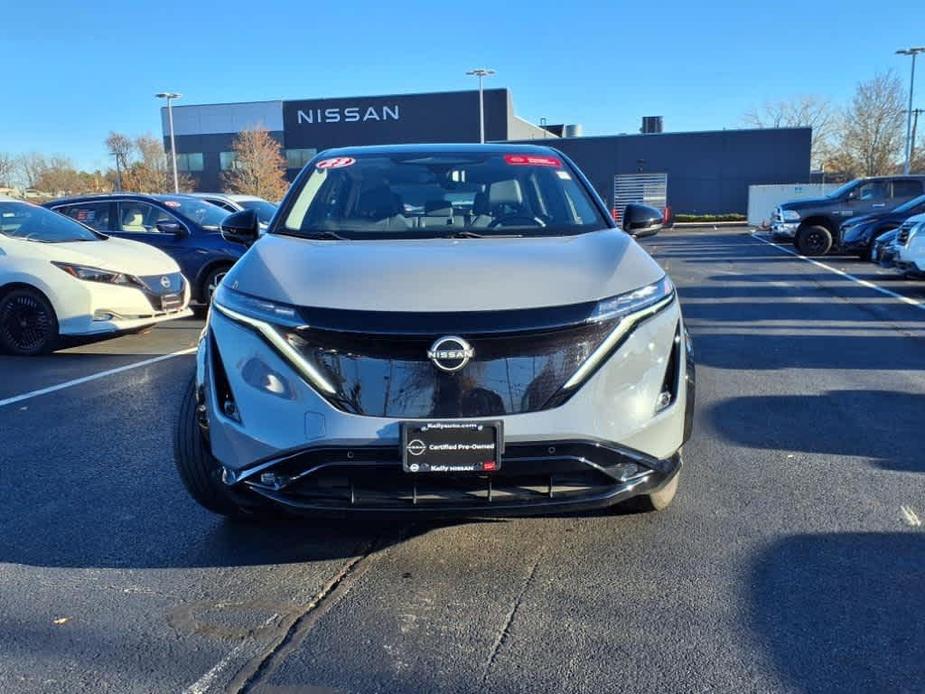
(321, 235)
(467, 234)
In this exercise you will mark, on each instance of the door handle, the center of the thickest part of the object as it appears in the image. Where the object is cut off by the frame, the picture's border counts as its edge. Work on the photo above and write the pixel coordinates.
(879, 204)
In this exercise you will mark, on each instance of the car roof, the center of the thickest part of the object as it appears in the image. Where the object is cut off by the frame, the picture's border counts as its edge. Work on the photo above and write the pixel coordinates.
(449, 148)
(160, 197)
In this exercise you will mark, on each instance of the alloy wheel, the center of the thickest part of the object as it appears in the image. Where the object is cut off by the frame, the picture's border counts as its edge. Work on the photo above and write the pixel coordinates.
(25, 323)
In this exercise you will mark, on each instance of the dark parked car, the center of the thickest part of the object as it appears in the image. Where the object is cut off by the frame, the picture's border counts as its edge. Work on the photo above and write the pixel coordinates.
(858, 235)
(813, 224)
(184, 227)
(884, 248)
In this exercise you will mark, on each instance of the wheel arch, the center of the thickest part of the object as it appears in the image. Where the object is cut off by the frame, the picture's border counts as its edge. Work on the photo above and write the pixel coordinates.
(13, 285)
(207, 268)
(820, 221)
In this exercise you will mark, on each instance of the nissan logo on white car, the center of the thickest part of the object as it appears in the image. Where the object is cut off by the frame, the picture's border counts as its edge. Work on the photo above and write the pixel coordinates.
(450, 353)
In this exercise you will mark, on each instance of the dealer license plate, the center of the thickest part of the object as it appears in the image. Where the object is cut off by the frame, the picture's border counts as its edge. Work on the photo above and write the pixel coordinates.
(452, 447)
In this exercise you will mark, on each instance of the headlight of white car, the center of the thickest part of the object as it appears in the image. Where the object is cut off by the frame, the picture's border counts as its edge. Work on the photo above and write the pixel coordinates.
(95, 274)
(790, 215)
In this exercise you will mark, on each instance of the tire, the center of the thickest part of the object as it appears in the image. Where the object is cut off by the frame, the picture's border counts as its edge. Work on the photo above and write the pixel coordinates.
(210, 282)
(28, 324)
(658, 500)
(199, 470)
(814, 240)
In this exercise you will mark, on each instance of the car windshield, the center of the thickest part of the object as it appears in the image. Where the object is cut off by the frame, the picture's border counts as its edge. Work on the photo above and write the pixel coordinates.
(843, 189)
(265, 210)
(203, 213)
(20, 220)
(913, 206)
(429, 195)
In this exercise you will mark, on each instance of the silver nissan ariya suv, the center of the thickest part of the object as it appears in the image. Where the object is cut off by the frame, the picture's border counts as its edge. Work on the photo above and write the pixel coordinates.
(446, 329)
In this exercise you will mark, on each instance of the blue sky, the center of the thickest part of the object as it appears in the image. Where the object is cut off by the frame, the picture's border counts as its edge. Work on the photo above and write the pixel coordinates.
(73, 72)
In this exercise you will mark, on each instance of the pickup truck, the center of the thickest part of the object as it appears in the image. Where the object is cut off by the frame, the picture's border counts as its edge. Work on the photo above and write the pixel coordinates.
(813, 224)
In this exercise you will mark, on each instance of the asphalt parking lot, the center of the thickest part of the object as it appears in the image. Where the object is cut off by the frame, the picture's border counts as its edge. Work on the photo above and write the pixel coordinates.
(792, 560)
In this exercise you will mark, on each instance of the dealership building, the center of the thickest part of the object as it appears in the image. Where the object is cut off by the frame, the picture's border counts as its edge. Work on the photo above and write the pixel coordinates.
(698, 172)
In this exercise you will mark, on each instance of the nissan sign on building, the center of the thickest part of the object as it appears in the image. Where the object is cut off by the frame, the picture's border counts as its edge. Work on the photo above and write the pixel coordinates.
(381, 120)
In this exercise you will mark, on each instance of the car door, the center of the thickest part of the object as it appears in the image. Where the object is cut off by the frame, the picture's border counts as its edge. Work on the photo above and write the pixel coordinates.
(904, 189)
(872, 196)
(137, 220)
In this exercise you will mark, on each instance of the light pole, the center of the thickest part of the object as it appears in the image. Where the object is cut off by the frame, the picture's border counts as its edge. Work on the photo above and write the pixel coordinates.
(170, 96)
(913, 52)
(481, 72)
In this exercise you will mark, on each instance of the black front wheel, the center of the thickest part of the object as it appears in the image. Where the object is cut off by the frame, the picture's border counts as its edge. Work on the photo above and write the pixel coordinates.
(200, 472)
(28, 324)
(814, 240)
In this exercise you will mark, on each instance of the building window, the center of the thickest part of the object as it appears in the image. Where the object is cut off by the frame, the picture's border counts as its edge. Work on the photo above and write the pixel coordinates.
(227, 160)
(190, 161)
(297, 158)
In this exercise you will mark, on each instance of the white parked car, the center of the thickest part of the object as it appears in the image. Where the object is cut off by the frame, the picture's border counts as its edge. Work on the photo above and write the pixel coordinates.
(910, 246)
(234, 202)
(61, 278)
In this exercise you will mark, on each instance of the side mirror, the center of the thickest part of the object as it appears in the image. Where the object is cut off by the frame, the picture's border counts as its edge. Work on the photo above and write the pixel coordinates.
(241, 227)
(642, 220)
(170, 227)
(852, 195)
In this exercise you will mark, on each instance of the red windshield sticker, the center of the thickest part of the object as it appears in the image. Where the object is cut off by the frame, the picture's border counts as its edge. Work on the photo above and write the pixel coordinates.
(532, 160)
(335, 163)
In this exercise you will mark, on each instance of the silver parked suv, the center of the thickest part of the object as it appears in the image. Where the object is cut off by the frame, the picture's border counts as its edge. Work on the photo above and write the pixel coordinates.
(448, 329)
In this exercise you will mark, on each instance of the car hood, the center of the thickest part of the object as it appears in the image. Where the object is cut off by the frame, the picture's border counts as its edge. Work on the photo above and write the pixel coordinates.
(118, 255)
(444, 274)
(806, 203)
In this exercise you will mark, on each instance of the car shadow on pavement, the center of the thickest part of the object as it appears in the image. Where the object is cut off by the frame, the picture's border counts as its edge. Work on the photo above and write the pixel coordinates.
(843, 612)
(877, 424)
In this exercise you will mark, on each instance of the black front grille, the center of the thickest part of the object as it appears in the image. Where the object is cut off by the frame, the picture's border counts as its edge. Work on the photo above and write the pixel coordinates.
(902, 238)
(163, 284)
(164, 292)
(392, 376)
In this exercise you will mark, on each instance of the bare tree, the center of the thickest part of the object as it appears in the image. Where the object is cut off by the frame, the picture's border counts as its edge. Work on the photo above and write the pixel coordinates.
(7, 170)
(801, 111)
(259, 167)
(143, 164)
(30, 166)
(871, 139)
(58, 175)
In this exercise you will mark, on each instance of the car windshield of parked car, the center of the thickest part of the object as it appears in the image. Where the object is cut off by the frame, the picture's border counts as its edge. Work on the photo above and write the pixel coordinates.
(430, 195)
(913, 206)
(843, 189)
(265, 210)
(20, 220)
(203, 213)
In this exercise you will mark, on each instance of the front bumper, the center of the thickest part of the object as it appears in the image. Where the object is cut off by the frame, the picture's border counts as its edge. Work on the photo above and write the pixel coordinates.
(94, 308)
(542, 477)
(784, 230)
(277, 439)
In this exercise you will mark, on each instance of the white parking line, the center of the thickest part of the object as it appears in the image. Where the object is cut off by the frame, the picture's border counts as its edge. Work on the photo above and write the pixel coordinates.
(93, 377)
(910, 517)
(842, 273)
(204, 683)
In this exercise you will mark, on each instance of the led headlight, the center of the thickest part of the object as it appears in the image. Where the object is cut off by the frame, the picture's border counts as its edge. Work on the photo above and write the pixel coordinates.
(790, 215)
(628, 310)
(273, 321)
(95, 274)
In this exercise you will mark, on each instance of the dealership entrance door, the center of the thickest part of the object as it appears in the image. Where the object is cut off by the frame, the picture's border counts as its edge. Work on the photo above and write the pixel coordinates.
(643, 188)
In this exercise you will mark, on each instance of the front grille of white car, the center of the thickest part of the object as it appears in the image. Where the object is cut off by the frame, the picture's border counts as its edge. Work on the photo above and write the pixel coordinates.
(902, 238)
